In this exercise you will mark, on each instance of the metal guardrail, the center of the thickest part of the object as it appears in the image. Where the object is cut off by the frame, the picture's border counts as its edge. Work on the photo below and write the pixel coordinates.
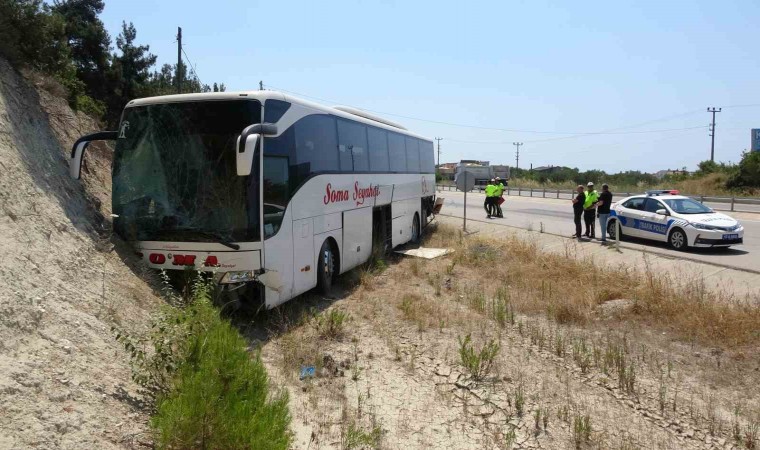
(570, 193)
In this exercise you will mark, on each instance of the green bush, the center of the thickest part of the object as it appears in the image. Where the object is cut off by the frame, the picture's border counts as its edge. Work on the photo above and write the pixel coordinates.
(748, 173)
(477, 363)
(219, 395)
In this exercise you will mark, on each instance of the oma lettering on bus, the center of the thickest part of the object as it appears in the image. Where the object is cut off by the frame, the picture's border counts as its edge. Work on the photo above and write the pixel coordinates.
(334, 196)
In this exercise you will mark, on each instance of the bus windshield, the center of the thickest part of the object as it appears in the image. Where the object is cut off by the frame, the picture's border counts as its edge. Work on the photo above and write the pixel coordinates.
(174, 173)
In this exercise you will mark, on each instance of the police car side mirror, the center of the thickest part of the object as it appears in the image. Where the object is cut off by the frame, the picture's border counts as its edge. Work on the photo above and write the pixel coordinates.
(662, 212)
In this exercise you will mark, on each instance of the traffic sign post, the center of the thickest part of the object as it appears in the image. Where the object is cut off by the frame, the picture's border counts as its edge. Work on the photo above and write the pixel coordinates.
(465, 184)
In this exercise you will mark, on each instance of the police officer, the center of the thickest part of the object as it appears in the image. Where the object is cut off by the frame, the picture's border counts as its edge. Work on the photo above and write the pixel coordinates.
(498, 197)
(489, 203)
(589, 210)
(578, 211)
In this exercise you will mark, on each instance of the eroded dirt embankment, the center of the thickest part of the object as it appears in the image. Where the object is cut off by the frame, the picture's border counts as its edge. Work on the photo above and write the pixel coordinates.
(64, 381)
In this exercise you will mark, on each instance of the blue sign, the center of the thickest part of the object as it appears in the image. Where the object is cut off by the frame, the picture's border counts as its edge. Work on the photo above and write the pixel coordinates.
(756, 139)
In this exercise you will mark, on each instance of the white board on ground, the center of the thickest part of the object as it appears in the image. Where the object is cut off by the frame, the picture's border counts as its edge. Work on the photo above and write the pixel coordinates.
(427, 253)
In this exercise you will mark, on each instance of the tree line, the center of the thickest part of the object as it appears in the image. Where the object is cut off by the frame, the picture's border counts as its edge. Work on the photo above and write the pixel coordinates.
(68, 41)
(742, 176)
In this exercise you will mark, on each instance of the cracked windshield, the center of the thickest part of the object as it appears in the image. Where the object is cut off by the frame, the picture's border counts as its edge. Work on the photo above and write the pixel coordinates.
(174, 175)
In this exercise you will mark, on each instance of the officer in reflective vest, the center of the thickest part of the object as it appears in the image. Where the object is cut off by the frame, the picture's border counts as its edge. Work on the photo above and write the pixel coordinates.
(490, 199)
(498, 197)
(589, 210)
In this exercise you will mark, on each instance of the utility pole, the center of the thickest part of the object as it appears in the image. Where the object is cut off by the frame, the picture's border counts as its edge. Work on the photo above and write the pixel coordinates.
(517, 154)
(438, 166)
(712, 131)
(179, 60)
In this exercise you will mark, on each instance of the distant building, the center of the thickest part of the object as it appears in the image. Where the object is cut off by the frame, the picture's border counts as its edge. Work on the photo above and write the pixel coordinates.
(550, 169)
(447, 170)
(662, 173)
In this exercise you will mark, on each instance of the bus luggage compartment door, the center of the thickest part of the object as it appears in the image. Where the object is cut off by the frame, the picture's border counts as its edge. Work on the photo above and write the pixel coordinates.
(357, 237)
(402, 230)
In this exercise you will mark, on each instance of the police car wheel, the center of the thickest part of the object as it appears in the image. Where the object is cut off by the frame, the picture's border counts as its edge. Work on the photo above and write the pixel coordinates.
(677, 239)
(612, 230)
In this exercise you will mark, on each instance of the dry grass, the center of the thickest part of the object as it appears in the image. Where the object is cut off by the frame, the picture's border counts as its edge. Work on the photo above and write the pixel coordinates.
(423, 311)
(568, 290)
(713, 184)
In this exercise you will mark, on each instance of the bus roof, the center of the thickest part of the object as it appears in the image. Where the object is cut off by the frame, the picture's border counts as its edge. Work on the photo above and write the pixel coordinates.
(340, 111)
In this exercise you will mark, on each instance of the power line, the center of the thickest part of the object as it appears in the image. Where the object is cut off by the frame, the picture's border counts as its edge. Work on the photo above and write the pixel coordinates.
(192, 66)
(581, 135)
(511, 130)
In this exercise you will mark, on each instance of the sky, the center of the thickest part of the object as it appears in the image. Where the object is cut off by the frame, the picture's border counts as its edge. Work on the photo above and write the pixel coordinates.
(620, 85)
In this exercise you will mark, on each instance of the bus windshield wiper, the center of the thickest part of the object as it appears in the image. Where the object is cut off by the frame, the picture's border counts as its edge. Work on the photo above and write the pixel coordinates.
(218, 238)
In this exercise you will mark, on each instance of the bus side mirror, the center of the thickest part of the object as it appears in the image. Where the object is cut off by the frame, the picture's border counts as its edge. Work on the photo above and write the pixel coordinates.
(77, 150)
(246, 145)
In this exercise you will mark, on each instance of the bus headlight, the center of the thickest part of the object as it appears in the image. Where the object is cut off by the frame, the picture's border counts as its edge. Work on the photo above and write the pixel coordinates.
(237, 277)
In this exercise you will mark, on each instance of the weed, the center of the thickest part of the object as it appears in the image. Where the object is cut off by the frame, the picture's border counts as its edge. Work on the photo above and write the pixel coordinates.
(450, 268)
(331, 324)
(750, 438)
(356, 437)
(581, 355)
(477, 363)
(662, 394)
(563, 413)
(519, 400)
(478, 302)
(510, 437)
(559, 344)
(581, 430)
(537, 422)
(356, 370)
(415, 266)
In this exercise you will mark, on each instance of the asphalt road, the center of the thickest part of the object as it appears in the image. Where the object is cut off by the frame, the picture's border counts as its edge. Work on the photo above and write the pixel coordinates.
(556, 217)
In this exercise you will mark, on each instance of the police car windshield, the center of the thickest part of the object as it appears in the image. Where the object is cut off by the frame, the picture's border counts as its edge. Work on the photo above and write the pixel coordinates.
(687, 206)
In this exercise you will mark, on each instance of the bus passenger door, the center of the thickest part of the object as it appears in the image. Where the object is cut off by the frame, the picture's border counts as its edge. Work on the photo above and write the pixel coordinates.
(357, 237)
(304, 266)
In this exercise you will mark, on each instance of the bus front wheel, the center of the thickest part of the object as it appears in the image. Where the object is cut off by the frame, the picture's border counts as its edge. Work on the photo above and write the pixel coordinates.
(325, 268)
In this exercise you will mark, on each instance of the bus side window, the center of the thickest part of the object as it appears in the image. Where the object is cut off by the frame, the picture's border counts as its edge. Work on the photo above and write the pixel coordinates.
(427, 157)
(276, 193)
(378, 150)
(412, 155)
(274, 110)
(352, 146)
(316, 144)
(397, 152)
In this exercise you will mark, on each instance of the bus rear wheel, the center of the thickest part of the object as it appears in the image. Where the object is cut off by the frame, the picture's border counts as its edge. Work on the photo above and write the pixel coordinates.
(325, 268)
(416, 234)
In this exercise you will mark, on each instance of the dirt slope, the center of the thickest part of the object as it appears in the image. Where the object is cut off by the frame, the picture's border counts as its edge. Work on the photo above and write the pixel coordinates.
(64, 381)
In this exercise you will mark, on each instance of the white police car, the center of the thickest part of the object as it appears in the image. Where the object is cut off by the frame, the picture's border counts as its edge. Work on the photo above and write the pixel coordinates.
(678, 220)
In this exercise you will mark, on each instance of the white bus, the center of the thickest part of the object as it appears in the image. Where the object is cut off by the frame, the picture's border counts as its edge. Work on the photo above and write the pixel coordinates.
(275, 194)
